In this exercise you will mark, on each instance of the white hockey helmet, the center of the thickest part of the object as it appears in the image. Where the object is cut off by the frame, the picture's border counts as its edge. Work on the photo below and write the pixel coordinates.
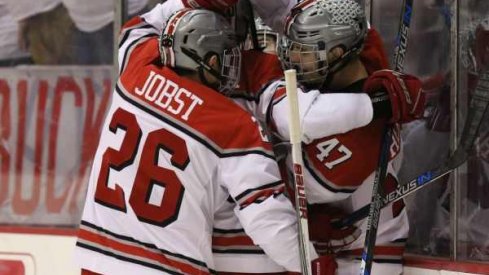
(316, 27)
(191, 36)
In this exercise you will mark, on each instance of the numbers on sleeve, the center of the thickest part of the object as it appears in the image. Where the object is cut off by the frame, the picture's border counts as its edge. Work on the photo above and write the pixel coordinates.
(326, 147)
(149, 174)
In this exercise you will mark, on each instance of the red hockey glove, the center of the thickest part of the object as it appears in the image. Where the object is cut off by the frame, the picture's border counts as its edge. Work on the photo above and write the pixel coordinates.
(221, 6)
(325, 238)
(481, 47)
(324, 265)
(405, 94)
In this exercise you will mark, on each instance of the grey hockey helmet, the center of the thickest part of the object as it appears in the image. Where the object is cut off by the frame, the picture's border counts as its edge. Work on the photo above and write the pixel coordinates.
(315, 27)
(267, 38)
(191, 36)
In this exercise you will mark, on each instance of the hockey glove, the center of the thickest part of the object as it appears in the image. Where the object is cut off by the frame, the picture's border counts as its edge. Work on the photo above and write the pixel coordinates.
(325, 238)
(221, 6)
(324, 265)
(405, 94)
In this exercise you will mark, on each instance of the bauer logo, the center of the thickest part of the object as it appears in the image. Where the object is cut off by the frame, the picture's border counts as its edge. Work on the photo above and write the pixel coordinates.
(424, 178)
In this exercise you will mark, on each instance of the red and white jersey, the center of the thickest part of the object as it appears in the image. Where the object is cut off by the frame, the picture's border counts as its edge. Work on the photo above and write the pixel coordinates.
(171, 154)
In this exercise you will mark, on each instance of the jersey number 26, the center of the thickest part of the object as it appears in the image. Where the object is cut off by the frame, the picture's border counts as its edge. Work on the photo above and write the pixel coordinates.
(148, 172)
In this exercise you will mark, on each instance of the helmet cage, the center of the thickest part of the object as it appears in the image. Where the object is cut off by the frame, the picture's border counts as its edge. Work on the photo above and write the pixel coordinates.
(230, 70)
(322, 25)
(311, 72)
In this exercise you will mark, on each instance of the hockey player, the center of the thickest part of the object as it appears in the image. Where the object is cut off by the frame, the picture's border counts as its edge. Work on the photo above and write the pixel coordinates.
(165, 162)
(231, 247)
(323, 39)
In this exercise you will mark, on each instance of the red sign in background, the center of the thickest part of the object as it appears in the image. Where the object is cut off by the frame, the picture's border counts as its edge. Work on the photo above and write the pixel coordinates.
(50, 120)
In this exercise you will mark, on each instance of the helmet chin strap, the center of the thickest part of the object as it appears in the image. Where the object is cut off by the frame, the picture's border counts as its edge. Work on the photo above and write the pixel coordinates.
(340, 63)
(203, 66)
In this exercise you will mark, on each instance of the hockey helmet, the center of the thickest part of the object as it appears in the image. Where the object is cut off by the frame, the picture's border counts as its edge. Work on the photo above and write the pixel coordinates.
(267, 38)
(191, 36)
(317, 26)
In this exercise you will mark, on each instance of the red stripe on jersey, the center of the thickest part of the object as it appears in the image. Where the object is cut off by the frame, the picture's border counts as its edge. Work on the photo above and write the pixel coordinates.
(260, 196)
(279, 93)
(243, 240)
(132, 22)
(88, 272)
(137, 251)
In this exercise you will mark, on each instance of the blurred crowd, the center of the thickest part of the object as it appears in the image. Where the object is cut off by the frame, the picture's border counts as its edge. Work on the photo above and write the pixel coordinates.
(59, 32)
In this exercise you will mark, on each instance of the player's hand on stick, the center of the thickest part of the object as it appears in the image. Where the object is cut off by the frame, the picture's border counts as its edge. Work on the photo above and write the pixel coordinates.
(405, 94)
(221, 6)
(325, 238)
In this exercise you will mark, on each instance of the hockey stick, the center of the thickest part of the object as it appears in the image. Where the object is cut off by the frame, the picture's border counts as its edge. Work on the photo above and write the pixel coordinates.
(251, 17)
(374, 212)
(381, 172)
(297, 162)
(478, 107)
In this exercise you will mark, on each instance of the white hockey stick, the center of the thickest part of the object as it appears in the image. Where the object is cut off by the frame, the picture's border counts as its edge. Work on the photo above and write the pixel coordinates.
(297, 162)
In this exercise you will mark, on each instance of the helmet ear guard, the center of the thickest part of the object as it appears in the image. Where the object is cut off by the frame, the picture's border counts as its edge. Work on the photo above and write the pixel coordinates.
(191, 35)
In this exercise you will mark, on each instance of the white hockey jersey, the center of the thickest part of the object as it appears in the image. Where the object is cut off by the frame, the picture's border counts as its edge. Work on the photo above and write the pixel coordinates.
(172, 152)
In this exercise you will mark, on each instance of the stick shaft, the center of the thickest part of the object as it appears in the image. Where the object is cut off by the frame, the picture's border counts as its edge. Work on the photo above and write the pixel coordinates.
(298, 165)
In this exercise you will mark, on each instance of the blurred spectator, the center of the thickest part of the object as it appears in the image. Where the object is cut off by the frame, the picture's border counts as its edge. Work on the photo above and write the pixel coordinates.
(45, 30)
(94, 33)
(11, 53)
